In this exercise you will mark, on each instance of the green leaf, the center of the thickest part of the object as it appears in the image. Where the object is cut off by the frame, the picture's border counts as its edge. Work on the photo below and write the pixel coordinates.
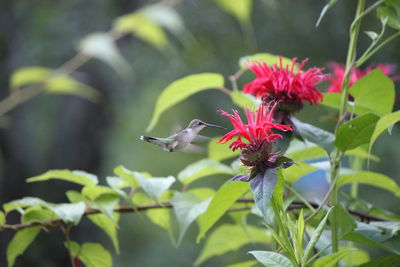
(370, 178)
(219, 152)
(202, 168)
(37, 214)
(263, 185)
(94, 192)
(243, 264)
(101, 45)
(63, 84)
(331, 259)
(23, 202)
(387, 261)
(296, 171)
(392, 12)
(94, 255)
(221, 202)
(69, 212)
(241, 10)
(28, 75)
(127, 175)
(183, 88)
(315, 237)
(270, 59)
(271, 259)
(324, 10)
(187, 208)
(314, 134)
(108, 226)
(140, 25)
(244, 100)
(2, 219)
(356, 132)
(236, 236)
(355, 257)
(346, 224)
(384, 123)
(156, 186)
(332, 100)
(373, 93)
(162, 218)
(361, 153)
(300, 151)
(20, 242)
(73, 247)
(78, 177)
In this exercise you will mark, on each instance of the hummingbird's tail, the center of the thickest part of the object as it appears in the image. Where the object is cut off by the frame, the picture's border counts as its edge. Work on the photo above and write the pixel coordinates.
(148, 139)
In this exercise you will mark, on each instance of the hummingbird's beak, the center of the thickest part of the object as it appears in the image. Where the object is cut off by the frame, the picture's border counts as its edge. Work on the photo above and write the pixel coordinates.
(215, 126)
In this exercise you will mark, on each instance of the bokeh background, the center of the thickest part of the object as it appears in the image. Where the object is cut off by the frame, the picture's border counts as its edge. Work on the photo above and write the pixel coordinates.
(57, 132)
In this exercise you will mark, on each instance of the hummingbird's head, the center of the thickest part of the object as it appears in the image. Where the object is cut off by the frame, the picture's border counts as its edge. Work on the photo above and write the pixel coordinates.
(199, 125)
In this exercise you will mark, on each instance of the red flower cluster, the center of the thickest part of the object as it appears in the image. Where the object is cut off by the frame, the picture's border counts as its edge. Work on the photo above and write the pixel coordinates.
(336, 79)
(257, 130)
(285, 84)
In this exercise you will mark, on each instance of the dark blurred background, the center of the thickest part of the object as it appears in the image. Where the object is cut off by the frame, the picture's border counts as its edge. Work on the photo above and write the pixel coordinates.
(56, 132)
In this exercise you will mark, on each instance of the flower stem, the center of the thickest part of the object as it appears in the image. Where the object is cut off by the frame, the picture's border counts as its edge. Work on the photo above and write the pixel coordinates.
(337, 156)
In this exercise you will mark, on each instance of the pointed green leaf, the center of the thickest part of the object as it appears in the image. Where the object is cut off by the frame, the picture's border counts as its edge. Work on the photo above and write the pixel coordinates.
(20, 242)
(387, 261)
(315, 237)
(241, 10)
(22, 203)
(221, 202)
(384, 123)
(79, 177)
(355, 257)
(108, 226)
(127, 175)
(370, 178)
(141, 25)
(314, 134)
(94, 255)
(271, 259)
(331, 259)
(73, 247)
(243, 264)
(202, 168)
(244, 100)
(187, 208)
(356, 132)
(263, 185)
(28, 75)
(325, 9)
(219, 152)
(37, 214)
(183, 88)
(236, 236)
(270, 59)
(392, 12)
(332, 100)
(69, 212)
(373, 93)
(155, 186)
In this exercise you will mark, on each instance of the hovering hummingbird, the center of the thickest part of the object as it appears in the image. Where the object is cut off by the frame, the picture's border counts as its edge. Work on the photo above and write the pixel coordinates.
(183, 139)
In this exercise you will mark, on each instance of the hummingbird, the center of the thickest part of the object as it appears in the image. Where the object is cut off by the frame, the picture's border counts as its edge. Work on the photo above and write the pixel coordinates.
(182, 140)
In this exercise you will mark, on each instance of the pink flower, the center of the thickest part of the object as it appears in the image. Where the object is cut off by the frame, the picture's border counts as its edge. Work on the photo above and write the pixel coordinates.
(338, 72)
(284, 84)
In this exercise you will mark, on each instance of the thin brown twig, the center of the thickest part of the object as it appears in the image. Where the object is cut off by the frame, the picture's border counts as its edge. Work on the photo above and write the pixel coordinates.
(233, 78)
(58, 222)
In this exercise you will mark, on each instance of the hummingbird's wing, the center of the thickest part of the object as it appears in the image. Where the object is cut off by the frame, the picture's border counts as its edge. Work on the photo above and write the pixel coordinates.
(201, 139)
(191, 148)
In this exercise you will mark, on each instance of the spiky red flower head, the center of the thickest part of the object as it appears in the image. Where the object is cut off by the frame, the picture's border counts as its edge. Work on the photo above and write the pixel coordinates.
(338, 71)
(285, 84)
(258, 132)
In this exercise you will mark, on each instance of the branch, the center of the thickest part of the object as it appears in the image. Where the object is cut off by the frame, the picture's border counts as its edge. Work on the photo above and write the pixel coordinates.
(47, 225)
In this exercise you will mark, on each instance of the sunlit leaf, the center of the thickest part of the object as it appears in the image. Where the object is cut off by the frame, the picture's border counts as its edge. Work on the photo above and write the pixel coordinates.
(299, 151)
(296, 171)
(373, 93)
(355, 257)
(165, 16)
(241, 10)
(384, 123)
(370, 178)
(187, 208)
(28, 75)
(63, 84)
(2, 219)
(271, 259)
(155, 186)
(37, 213)
(79, 177)
(140, 25)
(244, 100)
(392, 12)
(126, 175)
(69, 212)
(270, 59)
(219, 152)
(94, 255)
(243, 264)
(356, 132)
(202, 168)
(183, 88)
(236, 236)
(221, 202)
(386, 261)
(101, 45)
(108, 226)
(20, 242)
(331, 259)
(23, 202)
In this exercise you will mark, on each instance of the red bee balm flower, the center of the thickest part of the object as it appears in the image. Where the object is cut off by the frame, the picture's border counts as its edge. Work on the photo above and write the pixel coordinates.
(258, 132)
(285, 84)
(338, 72)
